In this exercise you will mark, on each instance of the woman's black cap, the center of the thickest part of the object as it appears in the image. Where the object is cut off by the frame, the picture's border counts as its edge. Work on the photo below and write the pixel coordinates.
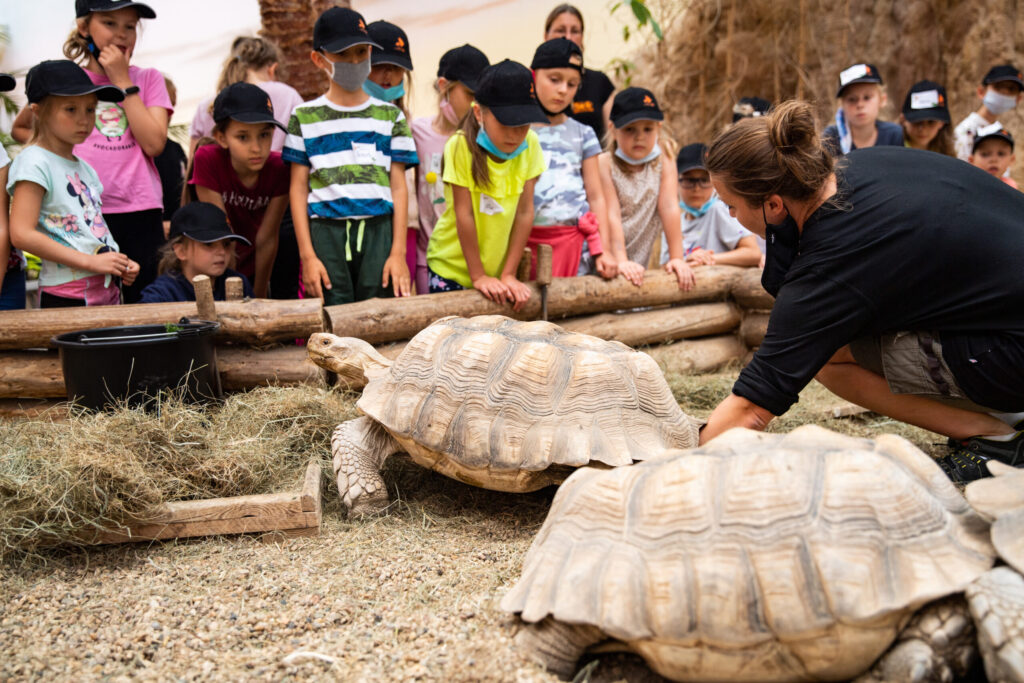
(202, 222)
(506, 88)
(246, 103)
(64, 77)
(463, 64)
(558, 53)
(926, 101)
(394, 45)
(635, 104)
(86, 7)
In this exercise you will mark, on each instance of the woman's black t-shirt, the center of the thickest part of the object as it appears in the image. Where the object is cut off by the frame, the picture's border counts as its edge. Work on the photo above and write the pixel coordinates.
(588, 105)
(918, 241)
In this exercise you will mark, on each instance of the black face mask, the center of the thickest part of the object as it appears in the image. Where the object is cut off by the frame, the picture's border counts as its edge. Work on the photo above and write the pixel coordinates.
(95, 51)
(783, 245)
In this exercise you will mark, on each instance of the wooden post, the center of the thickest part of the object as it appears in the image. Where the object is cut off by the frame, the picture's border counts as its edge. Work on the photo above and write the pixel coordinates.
(233, 289)
(660, 325)
(544, 276)
(525, 265)
(204, 297)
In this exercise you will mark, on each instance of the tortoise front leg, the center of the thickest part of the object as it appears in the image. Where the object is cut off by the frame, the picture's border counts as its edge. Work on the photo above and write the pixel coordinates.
(997, 604)
(557, 646)
(360, 447)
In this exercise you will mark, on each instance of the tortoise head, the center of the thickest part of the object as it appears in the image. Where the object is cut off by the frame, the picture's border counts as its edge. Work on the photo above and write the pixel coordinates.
(350, 358)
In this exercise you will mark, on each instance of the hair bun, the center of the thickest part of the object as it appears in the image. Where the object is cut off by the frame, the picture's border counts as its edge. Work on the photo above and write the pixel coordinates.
(792, 128)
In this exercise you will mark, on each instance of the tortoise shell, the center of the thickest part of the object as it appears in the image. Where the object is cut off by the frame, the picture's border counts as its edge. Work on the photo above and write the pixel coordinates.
(496, 402)
(758, 556)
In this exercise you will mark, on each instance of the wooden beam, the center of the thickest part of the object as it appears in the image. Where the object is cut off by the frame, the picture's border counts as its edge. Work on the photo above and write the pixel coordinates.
(753, 328)
(695, 356)
(748, 292)
(660, 325)
(235, 515)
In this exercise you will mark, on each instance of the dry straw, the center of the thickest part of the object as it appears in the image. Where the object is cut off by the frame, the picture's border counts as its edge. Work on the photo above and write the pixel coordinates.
(59, 478)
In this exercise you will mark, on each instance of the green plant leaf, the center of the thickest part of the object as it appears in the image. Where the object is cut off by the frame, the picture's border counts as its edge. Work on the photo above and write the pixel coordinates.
(657, 29)
(640, 11)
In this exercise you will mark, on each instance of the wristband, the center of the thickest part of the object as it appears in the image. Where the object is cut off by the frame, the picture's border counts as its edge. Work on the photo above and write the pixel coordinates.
(131, 90)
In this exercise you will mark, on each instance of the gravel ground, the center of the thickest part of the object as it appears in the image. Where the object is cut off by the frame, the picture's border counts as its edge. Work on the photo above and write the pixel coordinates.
(410, 596)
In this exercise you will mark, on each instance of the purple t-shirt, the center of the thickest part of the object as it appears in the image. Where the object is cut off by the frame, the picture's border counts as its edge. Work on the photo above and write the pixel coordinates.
(130, 179)
(283, 97)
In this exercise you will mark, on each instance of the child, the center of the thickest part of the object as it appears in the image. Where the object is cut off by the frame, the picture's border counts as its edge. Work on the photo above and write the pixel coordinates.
(1000, 91)
(640, 189)
(128, 134)
(243, 177)
(252, 60)
(348, 153)
(200, 244)
(993, 152)
(857, 126)
(12, 290)
(925, 118)
(457, 75)
(750, 107)
(490, 166)
(710, 235)
(55, 208)
(391, 65)
(570, 187)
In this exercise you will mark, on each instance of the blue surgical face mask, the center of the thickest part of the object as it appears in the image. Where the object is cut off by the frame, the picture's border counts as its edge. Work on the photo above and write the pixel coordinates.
(387, 94)
(697, 213)
(485, 141)
(655, 153)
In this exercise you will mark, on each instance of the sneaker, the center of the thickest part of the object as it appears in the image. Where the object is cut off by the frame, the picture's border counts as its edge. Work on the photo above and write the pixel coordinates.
(963, 466)
(1010, 452)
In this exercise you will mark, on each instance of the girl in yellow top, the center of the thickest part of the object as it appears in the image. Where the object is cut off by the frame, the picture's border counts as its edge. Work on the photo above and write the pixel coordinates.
(491, 166)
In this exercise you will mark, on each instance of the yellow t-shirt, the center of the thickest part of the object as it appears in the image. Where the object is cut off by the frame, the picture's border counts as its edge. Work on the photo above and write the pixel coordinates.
(494, 208)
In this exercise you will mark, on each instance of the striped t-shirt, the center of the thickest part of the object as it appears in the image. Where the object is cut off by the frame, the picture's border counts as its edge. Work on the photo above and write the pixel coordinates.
(349, 151)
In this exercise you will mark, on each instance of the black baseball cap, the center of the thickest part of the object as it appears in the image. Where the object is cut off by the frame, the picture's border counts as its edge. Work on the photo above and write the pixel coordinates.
(858, 73)
(750, 107)
(202, 222)
(463, 64)
(1004, 72)
(7, 82)
(339, 28)
(394, 45)
(85, 7)
(64, 77)
(691, 157)
(635, 104)
(506, 88)
(245, 102)
(926, 101)
(558, 53)
(994, 131)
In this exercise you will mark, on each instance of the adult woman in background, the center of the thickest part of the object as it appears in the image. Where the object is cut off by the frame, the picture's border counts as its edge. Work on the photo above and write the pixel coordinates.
(897, 281)
(593, 102)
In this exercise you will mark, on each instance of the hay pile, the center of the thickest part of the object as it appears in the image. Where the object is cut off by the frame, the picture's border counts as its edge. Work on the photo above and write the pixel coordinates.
(59, 478)
(716, 51)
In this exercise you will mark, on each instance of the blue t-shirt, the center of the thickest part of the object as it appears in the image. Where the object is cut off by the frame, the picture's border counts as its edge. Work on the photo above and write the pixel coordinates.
(888, 134)
(174, 286)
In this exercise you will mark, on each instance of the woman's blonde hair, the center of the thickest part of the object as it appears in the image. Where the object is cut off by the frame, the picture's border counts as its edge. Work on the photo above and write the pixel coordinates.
(780, 153)
(247, 52)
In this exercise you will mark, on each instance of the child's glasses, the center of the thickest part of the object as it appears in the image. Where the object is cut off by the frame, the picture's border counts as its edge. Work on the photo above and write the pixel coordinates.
(694, 183)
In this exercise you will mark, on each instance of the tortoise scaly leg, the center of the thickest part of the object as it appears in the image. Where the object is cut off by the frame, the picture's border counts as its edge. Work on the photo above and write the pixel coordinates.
(360, 447)
(997, 604)
(557, 646)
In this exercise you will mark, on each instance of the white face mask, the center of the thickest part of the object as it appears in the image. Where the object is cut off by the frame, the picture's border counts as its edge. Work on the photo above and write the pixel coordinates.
(997, 103)
(351, 76)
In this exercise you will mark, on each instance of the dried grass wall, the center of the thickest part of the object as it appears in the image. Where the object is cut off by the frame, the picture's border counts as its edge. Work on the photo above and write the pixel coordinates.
(716, 51)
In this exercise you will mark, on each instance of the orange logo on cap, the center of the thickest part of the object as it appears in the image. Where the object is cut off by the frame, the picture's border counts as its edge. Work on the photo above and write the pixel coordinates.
(586, 107)
(533, 95)
(1020, 76)
(362, 26)
(270, 105)
(648, 101)
(942, 100)
(867, 69)
(400, 44)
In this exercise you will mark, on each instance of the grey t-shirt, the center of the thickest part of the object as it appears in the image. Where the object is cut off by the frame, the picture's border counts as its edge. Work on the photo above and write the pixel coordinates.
(715, 231)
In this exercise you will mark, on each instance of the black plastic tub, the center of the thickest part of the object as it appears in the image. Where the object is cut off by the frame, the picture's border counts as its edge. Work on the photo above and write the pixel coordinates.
(132, 365)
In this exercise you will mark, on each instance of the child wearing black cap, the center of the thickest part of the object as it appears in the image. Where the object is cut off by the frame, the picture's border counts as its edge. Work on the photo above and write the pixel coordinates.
(710, 235)
(240, 174)
(200, 243)
(348, 152)
(992, 152)
(568, 202)
(55, 195)
(391, 65)
(861, 97)
(12, 290)
(640, 188)
(128, 134)
(457, 75)
(925, 118)
(491, 167)
(1000, 91)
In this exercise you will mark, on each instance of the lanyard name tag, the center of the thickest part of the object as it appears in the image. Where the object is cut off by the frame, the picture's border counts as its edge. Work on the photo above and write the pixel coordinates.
(366, 152)
(489, 206)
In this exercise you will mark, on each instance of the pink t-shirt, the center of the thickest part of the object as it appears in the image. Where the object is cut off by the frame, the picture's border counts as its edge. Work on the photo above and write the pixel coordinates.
(129, 176)
(282, 96)
(245, 206)
(429, 196)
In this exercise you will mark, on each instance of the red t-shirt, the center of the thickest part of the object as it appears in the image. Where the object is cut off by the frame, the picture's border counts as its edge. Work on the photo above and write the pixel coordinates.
(245, 206)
